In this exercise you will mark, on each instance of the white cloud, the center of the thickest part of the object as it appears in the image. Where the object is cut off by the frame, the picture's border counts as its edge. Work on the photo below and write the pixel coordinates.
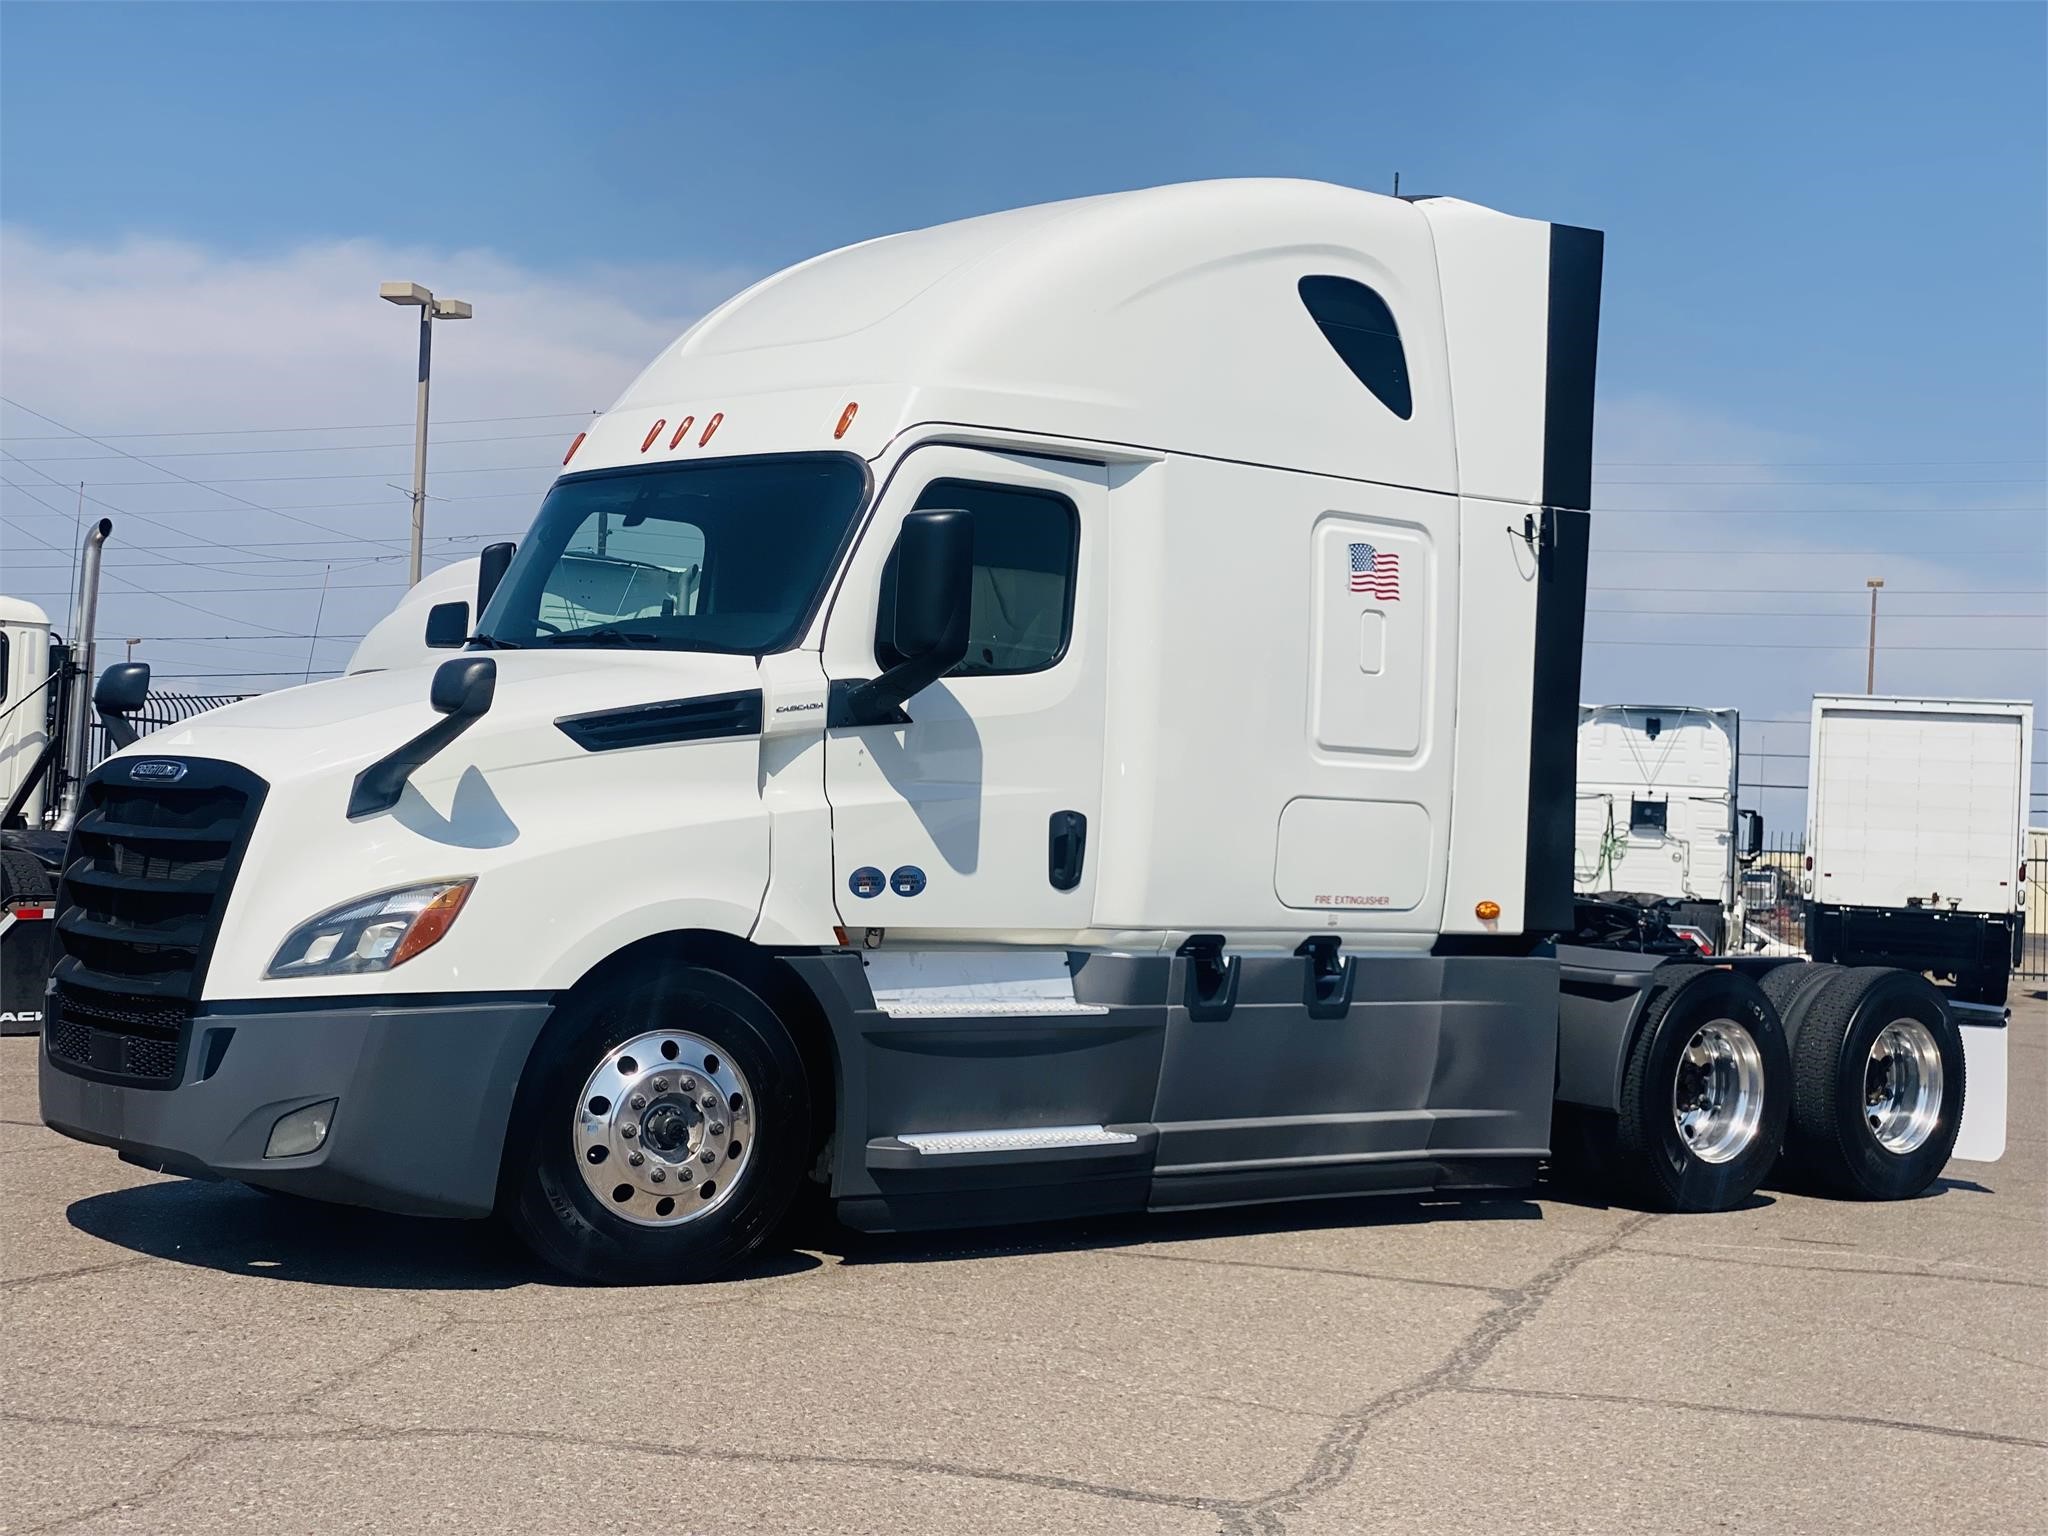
(168, 337)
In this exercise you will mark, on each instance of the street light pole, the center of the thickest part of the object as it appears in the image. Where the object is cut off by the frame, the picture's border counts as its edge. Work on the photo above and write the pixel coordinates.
(431, 309)
(1870, 654)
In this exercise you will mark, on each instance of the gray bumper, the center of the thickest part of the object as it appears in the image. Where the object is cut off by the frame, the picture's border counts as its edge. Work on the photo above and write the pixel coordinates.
(424, 1093)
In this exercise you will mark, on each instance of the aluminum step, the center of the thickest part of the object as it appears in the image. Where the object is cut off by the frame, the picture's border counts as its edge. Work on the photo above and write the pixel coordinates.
(1037, 1138)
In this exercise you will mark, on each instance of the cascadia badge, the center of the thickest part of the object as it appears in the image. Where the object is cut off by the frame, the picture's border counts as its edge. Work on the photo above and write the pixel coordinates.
(157, 770)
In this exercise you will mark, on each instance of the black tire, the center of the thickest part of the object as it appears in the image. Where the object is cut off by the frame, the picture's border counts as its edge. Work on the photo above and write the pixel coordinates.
(1653, 1161)
(1830, 1140)
(542, 1193)
(23, 878)
(1792, 989)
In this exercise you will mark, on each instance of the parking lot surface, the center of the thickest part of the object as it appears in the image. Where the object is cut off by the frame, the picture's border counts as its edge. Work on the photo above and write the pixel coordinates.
(185, 1357)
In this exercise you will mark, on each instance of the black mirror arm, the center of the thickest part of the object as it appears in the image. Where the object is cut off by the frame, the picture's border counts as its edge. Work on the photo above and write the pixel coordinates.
(880, 700)
(463, 689)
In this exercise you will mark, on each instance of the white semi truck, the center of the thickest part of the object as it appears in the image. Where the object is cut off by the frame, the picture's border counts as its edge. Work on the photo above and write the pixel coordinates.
(1915, 836)
(1066, 712)
(1658, 825)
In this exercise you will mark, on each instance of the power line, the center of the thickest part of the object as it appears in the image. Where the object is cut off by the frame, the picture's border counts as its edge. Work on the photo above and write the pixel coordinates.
(373, 426)
(367, 474)
(174, 474)
(1784, 484)
(232, 453)
(1810, 645)
(1804, 463)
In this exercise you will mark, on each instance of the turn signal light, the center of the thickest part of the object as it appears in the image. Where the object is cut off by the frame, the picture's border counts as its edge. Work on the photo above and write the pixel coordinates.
(436, 919)
(574, 446)
(1486, 911)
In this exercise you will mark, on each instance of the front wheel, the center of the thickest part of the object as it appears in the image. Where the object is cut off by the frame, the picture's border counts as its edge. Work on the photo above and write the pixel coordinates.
(1705, 1096)
(661, 1130)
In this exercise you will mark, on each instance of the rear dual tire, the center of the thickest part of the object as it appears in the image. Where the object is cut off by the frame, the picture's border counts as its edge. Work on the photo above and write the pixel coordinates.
(1705, 1094)
(1878, 1085)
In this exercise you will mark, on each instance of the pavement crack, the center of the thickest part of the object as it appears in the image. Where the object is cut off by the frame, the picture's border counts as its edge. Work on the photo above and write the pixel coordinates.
(212, 1439)
(1736, 1410)
(1332, 1461)
(1497, 1292)
(156, 1488)
(21, 1281)
(1922, 1272)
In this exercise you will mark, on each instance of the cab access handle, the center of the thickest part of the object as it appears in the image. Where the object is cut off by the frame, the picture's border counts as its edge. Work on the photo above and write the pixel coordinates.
(1066, 848)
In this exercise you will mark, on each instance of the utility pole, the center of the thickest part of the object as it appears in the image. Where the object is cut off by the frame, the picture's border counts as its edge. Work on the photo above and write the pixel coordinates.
(431, 309)
(1870, 655)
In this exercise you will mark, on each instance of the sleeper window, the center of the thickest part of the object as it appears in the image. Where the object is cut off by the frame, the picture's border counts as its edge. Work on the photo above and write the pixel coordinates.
(1024, 554)
(1360, 328)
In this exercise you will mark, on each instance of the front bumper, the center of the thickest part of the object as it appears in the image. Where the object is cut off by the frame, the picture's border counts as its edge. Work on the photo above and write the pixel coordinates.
(424, 1092)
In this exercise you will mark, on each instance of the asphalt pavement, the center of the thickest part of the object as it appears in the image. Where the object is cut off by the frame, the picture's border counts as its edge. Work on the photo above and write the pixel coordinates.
(189, 1357)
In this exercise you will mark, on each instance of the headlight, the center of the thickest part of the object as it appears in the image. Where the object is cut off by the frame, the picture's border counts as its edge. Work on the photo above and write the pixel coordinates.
(373, 933)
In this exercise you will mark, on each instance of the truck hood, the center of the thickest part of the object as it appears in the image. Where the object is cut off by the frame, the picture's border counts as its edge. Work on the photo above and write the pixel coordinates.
(348, 722)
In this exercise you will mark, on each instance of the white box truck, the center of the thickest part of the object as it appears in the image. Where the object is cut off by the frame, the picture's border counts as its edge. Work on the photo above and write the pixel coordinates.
(1915, 836)
(1657, 824)
(1066, 712)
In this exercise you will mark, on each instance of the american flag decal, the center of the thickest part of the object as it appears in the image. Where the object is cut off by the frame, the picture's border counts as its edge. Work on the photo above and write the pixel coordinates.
(1376, 572)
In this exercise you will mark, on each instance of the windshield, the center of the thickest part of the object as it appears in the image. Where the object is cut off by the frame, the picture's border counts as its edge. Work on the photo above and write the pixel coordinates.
(724, 556)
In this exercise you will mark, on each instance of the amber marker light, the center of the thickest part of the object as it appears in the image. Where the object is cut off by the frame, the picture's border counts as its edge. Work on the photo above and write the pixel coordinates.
(653, 432)
(845, 419)
(710, 427)
(1487, 911)
(435, 919)
(574, 446)
(682, 430)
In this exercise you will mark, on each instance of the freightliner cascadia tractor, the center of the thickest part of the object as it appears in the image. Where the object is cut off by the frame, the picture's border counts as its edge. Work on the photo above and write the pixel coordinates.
(1067, 712)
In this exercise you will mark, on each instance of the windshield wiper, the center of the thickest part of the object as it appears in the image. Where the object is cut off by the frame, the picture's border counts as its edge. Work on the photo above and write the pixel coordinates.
(605, 636)
(493, 643)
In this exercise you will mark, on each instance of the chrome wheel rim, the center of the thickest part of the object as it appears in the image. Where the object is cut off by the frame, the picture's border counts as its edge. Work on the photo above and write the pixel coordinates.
(1717, 1093)
(664, 1129)
(1902, 1082)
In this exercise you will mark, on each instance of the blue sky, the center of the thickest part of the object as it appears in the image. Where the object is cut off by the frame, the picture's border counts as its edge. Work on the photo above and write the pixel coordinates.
(1828, 236)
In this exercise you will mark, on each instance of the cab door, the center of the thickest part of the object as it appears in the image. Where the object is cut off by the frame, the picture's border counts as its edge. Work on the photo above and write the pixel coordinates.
(979, 819)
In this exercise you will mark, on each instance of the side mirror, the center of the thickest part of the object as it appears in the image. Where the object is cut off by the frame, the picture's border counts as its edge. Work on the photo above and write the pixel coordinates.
(121, 691)
(934, 592)
(447, 626)
(462, 690)
(464, 687)
(1752, 833)
(490, 570)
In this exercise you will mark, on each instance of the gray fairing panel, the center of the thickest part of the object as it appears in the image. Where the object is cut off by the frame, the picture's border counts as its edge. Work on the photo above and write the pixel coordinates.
(1604, 991)
(1438, 1076)
(1437, 1058)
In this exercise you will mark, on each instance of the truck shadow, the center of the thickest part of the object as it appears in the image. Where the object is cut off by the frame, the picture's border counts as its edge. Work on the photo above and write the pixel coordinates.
(243, 1231)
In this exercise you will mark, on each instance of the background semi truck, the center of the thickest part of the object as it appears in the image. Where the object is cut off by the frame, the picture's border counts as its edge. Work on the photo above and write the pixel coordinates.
(1071, 711)
(1915, 842)
(1658, 823)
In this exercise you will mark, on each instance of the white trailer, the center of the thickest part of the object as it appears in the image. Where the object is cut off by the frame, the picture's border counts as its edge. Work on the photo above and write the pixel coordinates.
(1916, 820)
(1066, 712)
(1657, 819)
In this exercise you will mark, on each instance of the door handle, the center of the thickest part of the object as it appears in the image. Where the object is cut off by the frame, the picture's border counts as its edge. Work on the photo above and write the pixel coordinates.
(1066, 847)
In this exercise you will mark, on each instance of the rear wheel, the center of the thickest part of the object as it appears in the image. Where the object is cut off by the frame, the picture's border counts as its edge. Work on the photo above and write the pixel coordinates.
(1878, 1086)
(1705, 1095)
(662, 1128)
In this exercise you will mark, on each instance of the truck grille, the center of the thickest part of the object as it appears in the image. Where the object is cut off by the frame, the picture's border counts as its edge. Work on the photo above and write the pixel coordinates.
(135, 1037)
(146, 878)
